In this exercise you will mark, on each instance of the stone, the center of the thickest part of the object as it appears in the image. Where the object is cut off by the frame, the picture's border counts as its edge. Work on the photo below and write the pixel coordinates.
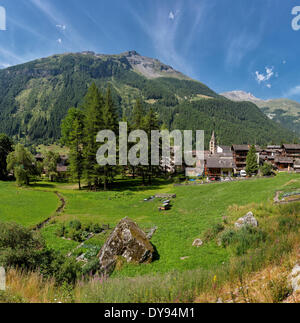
(127, 241)
(2, 279)
(247, 220)
(198, 243)
(184, 258)
(151, 233)
(294, 278)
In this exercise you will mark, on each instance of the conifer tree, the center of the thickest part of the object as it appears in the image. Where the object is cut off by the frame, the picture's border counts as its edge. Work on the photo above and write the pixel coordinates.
(6, 147)
(137, 123)
(110, 122)
(72, 129)
(252, 164)
(93, 123)
(150, 123)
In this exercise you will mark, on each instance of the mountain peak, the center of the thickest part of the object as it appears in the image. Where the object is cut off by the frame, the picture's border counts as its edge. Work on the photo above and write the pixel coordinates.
(240, 96)
(131, 53)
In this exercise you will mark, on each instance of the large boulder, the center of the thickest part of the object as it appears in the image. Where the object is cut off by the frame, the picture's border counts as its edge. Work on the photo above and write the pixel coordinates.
(248, 220)
(294, 278)
(127, 241)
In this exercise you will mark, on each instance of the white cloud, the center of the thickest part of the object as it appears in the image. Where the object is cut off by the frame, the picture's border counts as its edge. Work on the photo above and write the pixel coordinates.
(4, 65)
(264, 77)
(269, 86)
(171, 15)
(61, 27)
(294, 91)
(164, 28)
(59, 40)
(284, 62)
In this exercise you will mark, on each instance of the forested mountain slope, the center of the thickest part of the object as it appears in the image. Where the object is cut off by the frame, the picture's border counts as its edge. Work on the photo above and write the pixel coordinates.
(35, 96)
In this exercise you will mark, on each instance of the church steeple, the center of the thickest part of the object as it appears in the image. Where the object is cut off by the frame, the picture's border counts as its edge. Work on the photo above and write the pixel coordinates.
(212, 144)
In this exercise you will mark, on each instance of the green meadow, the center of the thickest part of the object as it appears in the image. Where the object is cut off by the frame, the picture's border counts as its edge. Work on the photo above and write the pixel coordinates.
(195, 210)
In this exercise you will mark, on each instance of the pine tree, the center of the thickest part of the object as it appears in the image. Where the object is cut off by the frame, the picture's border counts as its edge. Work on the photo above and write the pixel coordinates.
(252, 164)
(93, 123)
(6, 147)
(72, 129)
(110, 122)
(150, 123)
(137, 123)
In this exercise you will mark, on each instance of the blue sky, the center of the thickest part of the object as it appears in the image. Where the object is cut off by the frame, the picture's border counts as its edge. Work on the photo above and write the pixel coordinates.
(227, 44)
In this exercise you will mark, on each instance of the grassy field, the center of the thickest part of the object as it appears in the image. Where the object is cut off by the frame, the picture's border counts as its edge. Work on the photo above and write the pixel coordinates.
(24, 206)
(194, 211)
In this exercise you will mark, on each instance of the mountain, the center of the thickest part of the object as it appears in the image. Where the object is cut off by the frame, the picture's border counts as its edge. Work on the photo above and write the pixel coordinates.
(240, 96)
(35, 97)
(283, 111)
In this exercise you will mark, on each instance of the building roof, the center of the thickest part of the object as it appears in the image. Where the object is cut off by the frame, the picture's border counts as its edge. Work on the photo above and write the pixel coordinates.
(284, 160)
(62, 169)
(226, 149)
(274, 147)
(240, 147)
(220, 163)
(292, 147)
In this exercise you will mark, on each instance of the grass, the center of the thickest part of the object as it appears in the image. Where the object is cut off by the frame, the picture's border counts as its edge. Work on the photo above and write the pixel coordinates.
(195, 210)
(206, 272)
(24, 206)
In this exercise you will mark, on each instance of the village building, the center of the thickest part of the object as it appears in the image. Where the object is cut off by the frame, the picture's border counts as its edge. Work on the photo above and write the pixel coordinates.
(284, 163)
(291, 151)
(240, 153)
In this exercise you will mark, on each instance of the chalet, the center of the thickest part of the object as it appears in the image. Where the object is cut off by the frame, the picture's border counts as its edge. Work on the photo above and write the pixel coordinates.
(297, 165)
(62, 165)
(291, 151)
(219, 166)
(240, 153)
(284, 163)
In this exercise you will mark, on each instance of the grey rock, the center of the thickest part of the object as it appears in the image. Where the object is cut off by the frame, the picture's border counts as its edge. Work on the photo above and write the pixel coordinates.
(294, 278)
(127, 241)
(151, 233)
(2, 279)
(198, 243)
(247, 220)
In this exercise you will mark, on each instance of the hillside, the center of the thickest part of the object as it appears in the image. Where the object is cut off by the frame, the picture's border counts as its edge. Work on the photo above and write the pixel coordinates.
(35, 96)
(283, 111)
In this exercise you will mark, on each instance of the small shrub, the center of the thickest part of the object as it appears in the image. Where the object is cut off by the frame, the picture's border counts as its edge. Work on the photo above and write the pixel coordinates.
(75, 224)
(212, 233)
(279, 290)
(243, 239)
(287, 224)
(227, 237)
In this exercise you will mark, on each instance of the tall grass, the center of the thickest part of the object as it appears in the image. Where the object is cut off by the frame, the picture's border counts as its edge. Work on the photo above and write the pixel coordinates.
(31, 287)
(269, 249)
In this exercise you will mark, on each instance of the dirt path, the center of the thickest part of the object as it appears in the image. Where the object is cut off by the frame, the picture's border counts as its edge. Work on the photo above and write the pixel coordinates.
(58, 211)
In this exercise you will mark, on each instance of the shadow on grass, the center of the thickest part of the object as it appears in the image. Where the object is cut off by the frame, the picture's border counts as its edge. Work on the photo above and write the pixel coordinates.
(136, 185)
(156, 255)
(42, 185)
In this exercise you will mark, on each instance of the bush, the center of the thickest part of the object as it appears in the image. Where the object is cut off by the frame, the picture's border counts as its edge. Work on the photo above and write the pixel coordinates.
(25, 249)
(243, 239)
(212, 233)
(227, 237)
(267, 169)
(19, 246)
(279, 289)
(288, 223)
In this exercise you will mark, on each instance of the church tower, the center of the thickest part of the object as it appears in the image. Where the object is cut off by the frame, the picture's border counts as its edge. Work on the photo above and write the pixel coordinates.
(212, 145)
